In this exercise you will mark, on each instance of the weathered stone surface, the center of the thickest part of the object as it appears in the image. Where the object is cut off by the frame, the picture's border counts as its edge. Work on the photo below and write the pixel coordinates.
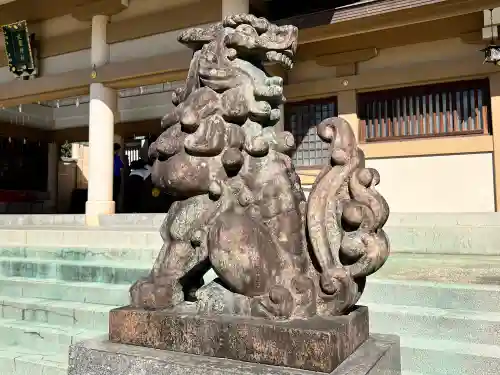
(317, 344)
(379, 355)
(240, 208)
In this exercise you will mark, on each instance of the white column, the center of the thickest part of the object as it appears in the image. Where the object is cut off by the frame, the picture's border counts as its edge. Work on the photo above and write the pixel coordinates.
(75, 150)
(101, 133)
(99, 52)
(102, 108)
(235, 7)
(52, 178)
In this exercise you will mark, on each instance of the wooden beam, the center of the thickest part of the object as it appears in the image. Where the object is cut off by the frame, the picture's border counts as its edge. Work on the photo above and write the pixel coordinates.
(145, 71)
(346, 70)
(76, 134)
(124, 129)
(429, 146)
(138, 72)
(348, 57)
(391, 77)
(21, 131)
(36, 10)
(415, 15)
(50, 87)
(474, 37)
(85, 11)
(393, 37)
(170, 19)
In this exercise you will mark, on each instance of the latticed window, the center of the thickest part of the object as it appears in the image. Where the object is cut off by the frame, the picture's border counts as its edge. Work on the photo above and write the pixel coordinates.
(457, 108)
(301, 119)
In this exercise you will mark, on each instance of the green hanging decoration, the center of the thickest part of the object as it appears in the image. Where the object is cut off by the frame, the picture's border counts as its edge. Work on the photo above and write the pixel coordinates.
(18, 49)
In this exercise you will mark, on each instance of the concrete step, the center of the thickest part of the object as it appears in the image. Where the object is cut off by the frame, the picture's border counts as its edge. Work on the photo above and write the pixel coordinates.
(109, 221)
(143, 256)
(17, 360)
(95, 293)
(58, 313)
(418, 240)
(449, 219)
(152, 220)
(98, 238)
(445, 240)
(42, 337)
(431, 294)
(70, 270)
(409, 233)
(447, 357)
(432, 323)
(461, 269)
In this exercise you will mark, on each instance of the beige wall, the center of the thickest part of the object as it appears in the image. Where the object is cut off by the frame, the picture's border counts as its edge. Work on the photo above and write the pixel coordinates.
(450, 174)
(450, 183)
(438, 183)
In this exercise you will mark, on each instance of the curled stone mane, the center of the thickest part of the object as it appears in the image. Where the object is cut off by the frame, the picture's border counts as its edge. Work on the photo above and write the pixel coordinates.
(240, 207)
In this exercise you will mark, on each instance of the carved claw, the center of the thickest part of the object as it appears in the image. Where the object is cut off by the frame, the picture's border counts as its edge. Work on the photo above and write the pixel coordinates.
(339, 290)
(150, 295)
(277, 304)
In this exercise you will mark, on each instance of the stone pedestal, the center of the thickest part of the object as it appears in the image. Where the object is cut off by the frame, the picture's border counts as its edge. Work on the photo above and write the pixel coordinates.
(315, 344)
(378, 355)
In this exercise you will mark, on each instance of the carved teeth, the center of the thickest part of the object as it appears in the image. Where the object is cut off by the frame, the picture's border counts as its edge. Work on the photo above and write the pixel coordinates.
(279, 57)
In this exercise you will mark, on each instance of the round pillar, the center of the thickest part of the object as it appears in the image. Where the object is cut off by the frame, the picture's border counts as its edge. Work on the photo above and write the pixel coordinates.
(102, 108)
(101, 134)
(99, 50)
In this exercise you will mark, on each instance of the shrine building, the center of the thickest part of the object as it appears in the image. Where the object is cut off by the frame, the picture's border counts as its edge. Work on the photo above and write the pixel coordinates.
(410, 77)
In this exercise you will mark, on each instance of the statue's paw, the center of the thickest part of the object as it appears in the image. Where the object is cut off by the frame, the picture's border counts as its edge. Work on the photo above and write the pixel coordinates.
(332, 280)
(279, 303)
(151, 295)
(304, 292)
(338, 291)
(141, 293)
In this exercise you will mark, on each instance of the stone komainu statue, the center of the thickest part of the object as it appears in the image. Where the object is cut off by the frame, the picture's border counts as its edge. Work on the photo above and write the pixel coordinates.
(240, 208)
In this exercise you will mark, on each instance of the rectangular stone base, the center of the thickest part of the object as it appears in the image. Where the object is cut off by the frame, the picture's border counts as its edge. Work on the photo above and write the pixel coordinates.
(316, 344)
(379, 355)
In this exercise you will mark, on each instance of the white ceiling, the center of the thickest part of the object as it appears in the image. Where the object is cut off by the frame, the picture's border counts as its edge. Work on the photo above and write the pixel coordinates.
(134, 104)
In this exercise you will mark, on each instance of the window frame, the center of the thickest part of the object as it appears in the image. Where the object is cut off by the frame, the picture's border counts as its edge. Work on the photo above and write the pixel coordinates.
(327, 100)
(364, 98)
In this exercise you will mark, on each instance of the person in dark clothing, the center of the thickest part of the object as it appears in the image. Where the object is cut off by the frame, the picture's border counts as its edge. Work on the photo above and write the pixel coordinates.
(156, 200)
(117, 171)
(135, 187)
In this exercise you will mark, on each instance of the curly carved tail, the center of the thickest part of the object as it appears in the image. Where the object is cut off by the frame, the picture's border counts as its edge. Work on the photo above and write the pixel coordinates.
(345, 215)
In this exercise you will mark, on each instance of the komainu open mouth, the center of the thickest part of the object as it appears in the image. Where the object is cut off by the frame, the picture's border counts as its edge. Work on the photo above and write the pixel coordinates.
(280, 58)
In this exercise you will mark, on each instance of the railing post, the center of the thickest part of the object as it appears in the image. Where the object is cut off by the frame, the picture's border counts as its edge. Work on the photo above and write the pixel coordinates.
(347, 108)
(495, 131)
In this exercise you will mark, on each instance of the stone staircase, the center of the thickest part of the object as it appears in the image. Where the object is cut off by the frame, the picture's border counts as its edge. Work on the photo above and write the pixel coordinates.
(58, 281)
(440, 290)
